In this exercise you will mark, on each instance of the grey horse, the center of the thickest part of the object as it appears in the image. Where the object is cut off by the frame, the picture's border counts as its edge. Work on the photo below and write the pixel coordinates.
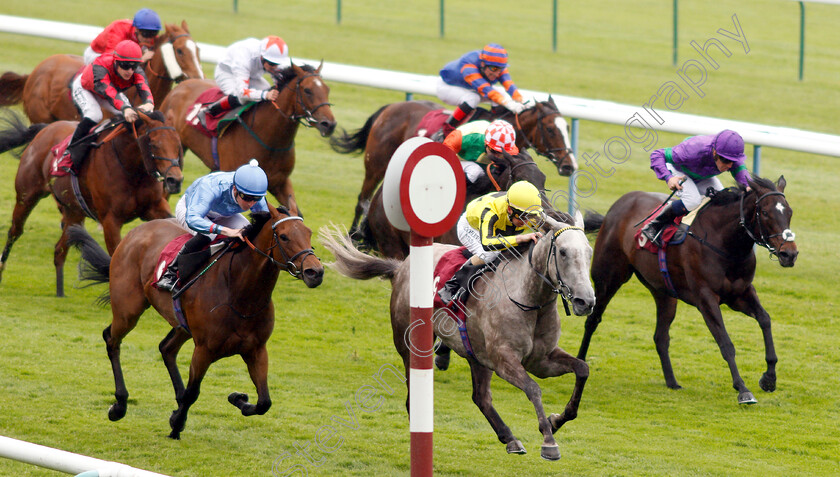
(513, 324)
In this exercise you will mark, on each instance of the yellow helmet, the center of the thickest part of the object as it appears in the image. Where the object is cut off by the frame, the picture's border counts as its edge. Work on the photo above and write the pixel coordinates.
(524, 197)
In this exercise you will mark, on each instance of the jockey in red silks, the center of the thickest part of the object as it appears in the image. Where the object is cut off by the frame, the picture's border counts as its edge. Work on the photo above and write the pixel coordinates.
(469, 80)
(102, 85)
(143, 30)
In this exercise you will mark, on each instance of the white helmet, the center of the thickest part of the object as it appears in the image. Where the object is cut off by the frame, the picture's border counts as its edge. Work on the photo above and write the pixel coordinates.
(274, 50)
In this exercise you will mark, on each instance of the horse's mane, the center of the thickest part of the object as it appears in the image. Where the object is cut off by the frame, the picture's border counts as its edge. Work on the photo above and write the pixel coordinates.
(258, 220)
(288, 73)
(733, 194)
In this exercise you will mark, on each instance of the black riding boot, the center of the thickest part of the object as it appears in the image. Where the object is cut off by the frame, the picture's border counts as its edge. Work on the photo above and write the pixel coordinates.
(225, 104)
(459, 283)
(170, 277)
(79, 146)
(666, 215)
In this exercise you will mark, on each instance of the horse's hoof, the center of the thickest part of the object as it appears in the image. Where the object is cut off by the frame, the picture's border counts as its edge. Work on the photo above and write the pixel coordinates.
(550, 452)
(515, 447)
(767, 383)
(556, 422)
(442, 361)
(237, 399)
(746, 397)
(116, 412)
(175, 435)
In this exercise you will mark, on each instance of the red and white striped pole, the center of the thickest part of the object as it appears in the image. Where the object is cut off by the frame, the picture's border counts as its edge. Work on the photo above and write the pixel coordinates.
(421, 341)
(423, 192)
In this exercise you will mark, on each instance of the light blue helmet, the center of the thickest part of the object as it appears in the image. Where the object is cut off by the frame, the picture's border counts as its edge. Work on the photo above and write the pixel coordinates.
(147, 19)
(251, 179)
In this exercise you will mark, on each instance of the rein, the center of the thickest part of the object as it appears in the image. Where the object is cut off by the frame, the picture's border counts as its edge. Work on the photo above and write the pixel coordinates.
(548, 153)
(761, 240)
(288, 265)
(560, 288)
(509, 172)
(150, 169)
(306, 118)
(298, 118)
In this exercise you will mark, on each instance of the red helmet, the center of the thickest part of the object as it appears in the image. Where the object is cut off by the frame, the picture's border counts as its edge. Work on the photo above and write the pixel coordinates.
(127, 50)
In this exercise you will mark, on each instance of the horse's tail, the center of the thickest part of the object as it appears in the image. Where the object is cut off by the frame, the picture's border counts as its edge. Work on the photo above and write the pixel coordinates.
(592, 221)
(96, 263)
(11, 88)
(345, 143)
(14, 132)
(353, 263)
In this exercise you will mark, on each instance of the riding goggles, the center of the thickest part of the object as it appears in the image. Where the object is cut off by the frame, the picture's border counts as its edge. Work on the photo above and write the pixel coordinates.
(524, 215)
(127, 65)
(248, 197)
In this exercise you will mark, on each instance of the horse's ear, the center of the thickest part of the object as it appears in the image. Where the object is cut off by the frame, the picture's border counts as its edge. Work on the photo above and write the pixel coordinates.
(320, 65)
(578, 218)
(781, 183)
(292, 204)
(184, 26)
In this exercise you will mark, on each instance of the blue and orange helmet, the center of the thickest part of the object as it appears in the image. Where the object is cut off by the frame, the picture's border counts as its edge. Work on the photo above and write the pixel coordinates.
(494, 55)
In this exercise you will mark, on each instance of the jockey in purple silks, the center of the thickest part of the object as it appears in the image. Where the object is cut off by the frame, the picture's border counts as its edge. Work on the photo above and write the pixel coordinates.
(691, 168)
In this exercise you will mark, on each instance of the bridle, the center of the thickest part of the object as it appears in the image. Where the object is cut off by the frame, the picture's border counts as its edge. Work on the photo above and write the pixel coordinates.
(509, 171)
(150, 164)
(557, 287)
(288, 263)
(542, 132)
(307, 117)
(180, 77)
(763, 239)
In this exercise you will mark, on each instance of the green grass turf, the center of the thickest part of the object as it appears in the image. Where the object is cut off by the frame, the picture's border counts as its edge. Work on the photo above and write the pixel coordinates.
(56, 382)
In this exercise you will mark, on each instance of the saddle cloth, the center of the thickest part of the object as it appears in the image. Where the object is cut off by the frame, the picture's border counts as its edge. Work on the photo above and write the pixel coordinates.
(672, 234)
(450, 263)
(61, 162)
(431, 122)
(169, 252)
(213, 126)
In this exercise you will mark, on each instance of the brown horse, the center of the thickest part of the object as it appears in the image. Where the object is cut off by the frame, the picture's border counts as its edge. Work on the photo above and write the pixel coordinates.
(714, 266)
(119, 182)
(378, 234)
(46, 91)
(540, 127)
(265, 132)
(513, 324)
(228, 311)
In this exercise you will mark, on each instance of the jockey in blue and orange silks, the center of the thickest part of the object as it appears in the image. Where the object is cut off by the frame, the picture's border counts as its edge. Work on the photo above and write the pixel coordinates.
(469, 80)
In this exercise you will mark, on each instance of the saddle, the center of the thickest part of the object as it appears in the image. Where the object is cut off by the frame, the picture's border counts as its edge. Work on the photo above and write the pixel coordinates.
(672, 234)
(432, 122)
(61, 154)
(213, 126)
(188, 264)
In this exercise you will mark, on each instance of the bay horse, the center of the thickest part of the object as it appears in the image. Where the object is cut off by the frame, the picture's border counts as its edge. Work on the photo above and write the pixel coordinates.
(46, 91)
(119, 182)
(377, 233)
(513, 324)
(228, 310)
(540, 127)
(714, 266)
(265, 132)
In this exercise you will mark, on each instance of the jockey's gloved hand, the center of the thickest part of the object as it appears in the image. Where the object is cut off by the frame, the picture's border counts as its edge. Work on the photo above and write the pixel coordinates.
(146, 107)
(514, 106)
